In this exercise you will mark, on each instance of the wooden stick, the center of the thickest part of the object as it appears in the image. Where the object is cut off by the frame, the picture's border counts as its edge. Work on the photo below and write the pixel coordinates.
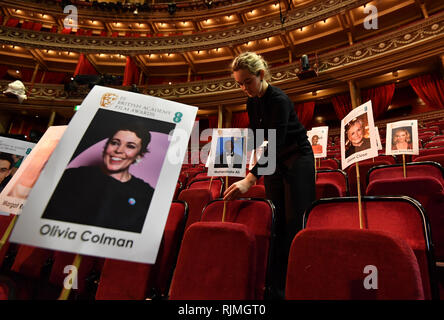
(65, 292)
(403, 165)
(8, 232)
(316, 172)
(359, 196)
(224, 211)
(211, 181)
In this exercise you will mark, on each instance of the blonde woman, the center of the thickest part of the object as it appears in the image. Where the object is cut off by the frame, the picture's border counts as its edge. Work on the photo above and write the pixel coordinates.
(401, 139)
(292, 185)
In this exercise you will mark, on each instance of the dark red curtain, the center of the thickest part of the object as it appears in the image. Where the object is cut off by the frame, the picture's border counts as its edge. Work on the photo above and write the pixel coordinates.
(84, 66)
(3, 71)
(430, 88)
(342, 105)
(240, 120)
(381, 98)
(212, 121)
(131, 74)
(305, 112)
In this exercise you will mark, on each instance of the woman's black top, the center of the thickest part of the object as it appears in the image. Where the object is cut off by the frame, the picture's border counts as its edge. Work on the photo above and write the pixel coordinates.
(275, 110)
(86, 195)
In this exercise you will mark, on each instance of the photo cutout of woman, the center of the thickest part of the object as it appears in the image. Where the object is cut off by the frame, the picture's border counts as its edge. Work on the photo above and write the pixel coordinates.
(356, 137)
(104, 192)
(402, 138)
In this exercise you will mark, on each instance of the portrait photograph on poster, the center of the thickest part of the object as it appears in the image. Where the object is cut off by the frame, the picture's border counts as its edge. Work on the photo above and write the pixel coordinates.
(12, 154)
(318, 137)
(402, 137)
(16, 192)
(107, 188)
(228, 152)
(358, 140)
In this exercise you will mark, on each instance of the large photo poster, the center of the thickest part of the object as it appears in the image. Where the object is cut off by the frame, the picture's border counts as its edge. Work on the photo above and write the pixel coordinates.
(228, 155)
(107, 188)
(12, 154)
(16, 192)
(402, 137)
(358, 139)
(318, 137)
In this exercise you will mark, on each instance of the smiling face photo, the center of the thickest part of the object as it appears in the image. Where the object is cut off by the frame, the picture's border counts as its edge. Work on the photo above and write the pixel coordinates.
(356, 136)
(110, 183)
(401, 138)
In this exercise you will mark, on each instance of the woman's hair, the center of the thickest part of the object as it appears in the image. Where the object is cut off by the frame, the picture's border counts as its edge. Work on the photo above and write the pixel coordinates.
(139, 130)
(408, 138)
(252, 62)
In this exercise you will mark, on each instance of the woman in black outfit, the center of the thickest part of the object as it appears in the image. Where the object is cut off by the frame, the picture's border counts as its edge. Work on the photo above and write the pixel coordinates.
(291, 187)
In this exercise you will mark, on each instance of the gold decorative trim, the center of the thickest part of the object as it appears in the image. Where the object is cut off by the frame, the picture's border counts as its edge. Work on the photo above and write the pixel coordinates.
(201, 41)
(425, 36)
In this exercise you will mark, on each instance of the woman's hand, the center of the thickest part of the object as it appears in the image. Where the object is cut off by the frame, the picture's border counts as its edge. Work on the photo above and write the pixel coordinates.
(239, 187)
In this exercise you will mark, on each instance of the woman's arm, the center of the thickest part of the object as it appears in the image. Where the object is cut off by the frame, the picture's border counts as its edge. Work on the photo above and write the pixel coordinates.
(240, 187)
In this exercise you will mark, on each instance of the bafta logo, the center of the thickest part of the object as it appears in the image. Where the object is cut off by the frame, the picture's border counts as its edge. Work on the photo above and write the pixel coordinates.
(108, 99)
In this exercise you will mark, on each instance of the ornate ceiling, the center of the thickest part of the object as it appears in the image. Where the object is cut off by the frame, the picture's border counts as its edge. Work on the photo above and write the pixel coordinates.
(187, 53)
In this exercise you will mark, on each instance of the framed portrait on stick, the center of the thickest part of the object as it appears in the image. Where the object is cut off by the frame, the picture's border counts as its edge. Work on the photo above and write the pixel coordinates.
(318, 137)
(358, 138)
(402, 137)
(107, 188)
(14, 195)
(228, 155)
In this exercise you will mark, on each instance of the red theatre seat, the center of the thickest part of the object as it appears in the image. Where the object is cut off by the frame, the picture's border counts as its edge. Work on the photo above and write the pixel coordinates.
(216, 262)
(196, 199)
(428, 191)
(439, 158)
(364, 167)
(255, 191)
(331, 183)
(435, 143)
(327, 164)
(215, 185)
(402, 217)
(125, 280)
(425, 152)
(258, 215)
(329, 264)
(413, 169)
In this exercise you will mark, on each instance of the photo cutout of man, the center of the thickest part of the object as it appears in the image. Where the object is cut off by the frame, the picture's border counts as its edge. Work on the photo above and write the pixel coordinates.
(228, 158)
(6, 165)
(317, 148)
(355, 139)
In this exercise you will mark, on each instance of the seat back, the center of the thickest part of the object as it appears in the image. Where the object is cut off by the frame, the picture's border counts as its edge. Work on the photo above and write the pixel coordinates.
(216, 185)
(400, 216)
(439, 158)
(333, 264)
(434, 143)
(428, 191)
(258, 215)
(331, 183)
(427, 151)
(413, 169)
(196, 199)
(216, 262)
(331, 163)
(126, 280)
(255, 191)
(364, 167)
